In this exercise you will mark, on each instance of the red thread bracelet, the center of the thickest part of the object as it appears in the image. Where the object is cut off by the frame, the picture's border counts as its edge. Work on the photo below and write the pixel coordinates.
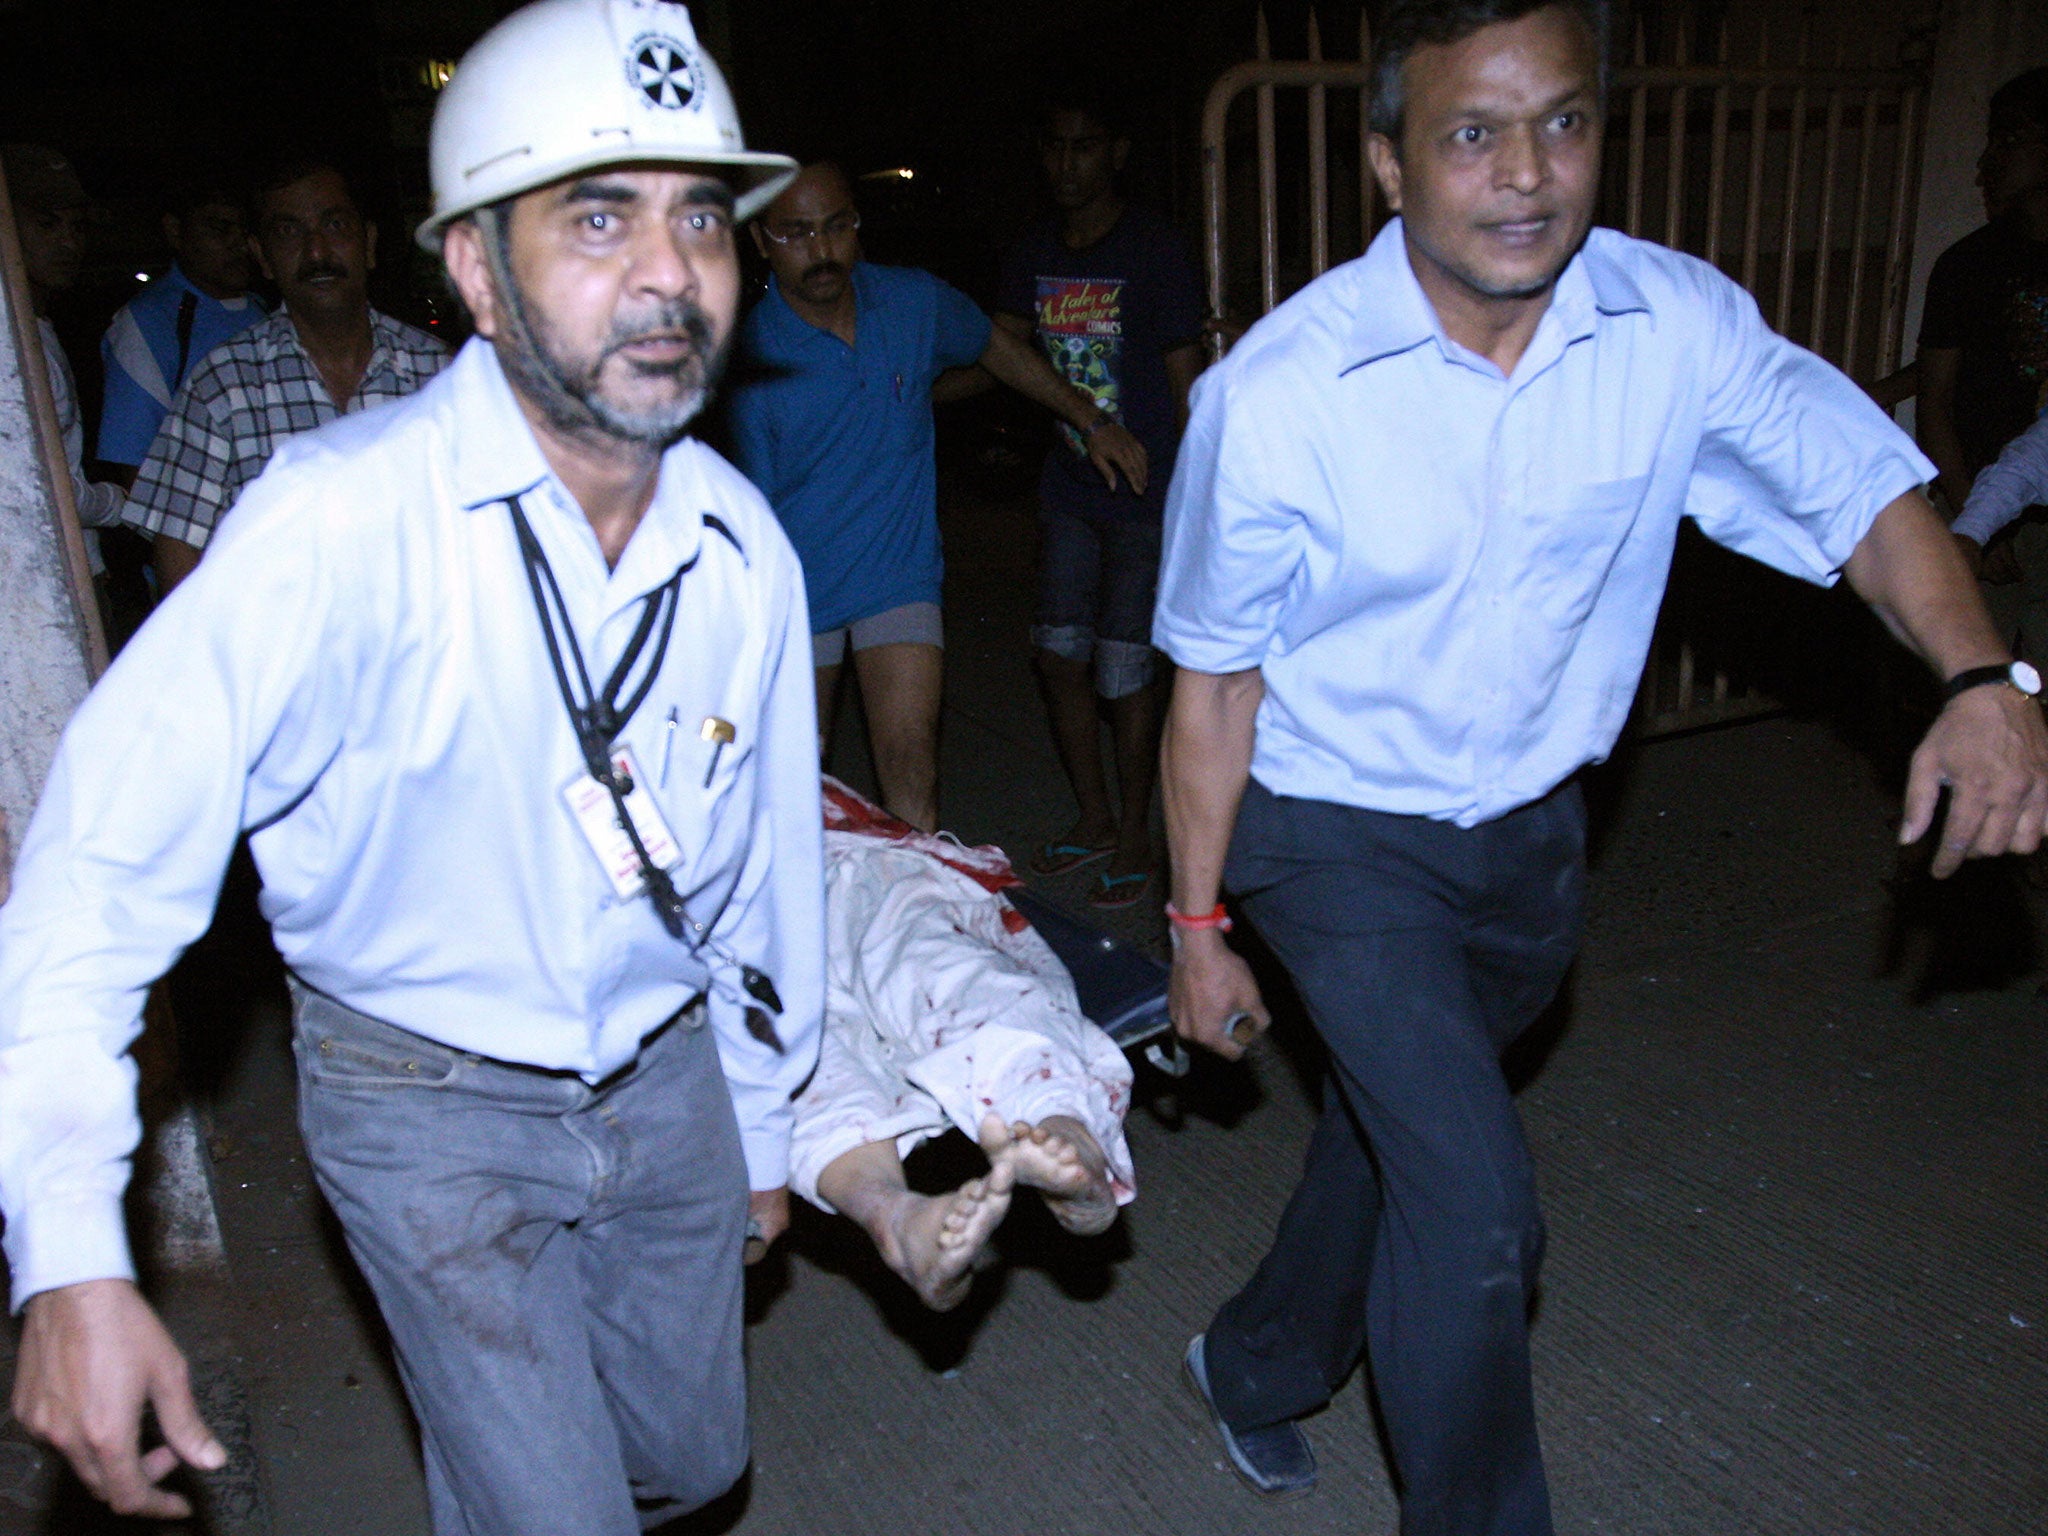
(1217, 919)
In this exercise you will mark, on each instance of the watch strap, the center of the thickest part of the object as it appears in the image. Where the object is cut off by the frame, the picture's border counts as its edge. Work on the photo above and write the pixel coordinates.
(1976, 677)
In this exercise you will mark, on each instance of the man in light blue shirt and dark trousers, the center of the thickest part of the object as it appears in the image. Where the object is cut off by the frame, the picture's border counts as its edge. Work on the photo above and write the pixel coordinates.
(1415, 547)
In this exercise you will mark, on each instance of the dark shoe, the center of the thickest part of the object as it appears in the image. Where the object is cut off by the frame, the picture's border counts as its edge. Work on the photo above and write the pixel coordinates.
(1275, 1461)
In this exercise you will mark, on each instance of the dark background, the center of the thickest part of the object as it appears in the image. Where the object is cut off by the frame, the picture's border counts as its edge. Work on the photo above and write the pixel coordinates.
(134, 89)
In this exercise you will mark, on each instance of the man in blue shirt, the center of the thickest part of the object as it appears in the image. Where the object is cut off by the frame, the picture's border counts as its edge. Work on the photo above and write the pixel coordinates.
(159, 335)
(834, 424)
(1415, 546)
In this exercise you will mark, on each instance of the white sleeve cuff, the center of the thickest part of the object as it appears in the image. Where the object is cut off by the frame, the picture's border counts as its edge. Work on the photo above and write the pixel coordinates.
(764, 1137)
(65, 1243)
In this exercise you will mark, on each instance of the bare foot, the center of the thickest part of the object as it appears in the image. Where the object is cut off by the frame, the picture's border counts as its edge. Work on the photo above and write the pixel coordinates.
(1059, 1158)
(932, 1241)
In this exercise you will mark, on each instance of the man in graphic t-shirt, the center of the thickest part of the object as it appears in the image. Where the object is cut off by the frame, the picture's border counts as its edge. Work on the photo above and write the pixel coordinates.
(1109, 293)
(1984, 348)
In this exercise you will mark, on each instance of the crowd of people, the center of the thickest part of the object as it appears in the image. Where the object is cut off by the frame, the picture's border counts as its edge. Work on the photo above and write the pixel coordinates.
(517, 691)
(1983, 369)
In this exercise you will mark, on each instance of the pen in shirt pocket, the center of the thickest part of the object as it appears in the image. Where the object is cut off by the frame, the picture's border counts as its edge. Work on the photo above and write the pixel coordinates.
(720, 734)
(668, 743)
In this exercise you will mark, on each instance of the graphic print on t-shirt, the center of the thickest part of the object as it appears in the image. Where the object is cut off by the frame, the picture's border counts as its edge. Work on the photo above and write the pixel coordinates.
(1081, 326)
(2025, 323)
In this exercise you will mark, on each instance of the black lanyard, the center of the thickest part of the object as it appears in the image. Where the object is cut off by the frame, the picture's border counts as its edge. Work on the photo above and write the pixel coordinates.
(599, 717)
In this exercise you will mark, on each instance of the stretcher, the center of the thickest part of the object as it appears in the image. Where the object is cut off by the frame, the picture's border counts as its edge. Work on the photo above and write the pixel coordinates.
(1122, 989)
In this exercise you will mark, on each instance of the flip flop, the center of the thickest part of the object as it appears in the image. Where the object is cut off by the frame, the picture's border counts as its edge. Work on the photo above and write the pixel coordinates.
(1113, 893)
(1064, 858)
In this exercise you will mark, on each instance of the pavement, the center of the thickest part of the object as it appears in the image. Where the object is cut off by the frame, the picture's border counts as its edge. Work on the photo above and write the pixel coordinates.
(1788, 1119)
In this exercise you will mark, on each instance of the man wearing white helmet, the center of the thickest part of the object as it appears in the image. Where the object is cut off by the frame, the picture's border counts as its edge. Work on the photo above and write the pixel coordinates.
(534, 795)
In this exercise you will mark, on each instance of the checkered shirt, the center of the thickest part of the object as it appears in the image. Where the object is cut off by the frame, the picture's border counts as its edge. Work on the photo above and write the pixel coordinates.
(249, 395)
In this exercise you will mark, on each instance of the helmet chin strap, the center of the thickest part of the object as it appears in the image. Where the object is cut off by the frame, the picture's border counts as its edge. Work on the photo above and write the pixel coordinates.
(526, 360)
(541, 378)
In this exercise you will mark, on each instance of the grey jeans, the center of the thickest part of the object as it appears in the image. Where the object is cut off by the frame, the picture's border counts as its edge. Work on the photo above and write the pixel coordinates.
(559, 1266)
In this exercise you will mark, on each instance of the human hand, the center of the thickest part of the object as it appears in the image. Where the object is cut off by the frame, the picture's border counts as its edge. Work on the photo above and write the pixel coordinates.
(1211, 996)
(1112, 447)
(92, 1355)
(1990, 748)
(767, 1219)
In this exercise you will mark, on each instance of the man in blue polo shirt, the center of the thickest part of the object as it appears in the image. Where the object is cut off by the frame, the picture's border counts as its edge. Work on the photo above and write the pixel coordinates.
(834, 424)
(158, 336)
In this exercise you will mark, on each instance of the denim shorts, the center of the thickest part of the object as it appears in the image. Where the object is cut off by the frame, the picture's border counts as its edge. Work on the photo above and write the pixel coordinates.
(1098, 578)
(911, 624)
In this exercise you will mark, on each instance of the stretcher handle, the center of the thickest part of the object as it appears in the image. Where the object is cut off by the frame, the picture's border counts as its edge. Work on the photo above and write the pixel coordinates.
(1173, 1058)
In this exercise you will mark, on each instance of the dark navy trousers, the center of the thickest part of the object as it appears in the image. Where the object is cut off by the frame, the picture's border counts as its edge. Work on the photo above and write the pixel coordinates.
(1421, 950)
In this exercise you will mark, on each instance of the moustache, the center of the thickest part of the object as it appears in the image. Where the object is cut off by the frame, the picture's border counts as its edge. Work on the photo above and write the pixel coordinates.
(822, 269)
(317, 269)
(678, 318)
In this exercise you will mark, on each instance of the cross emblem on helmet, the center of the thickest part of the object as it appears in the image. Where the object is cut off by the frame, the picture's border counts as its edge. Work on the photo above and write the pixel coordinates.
(665, 73)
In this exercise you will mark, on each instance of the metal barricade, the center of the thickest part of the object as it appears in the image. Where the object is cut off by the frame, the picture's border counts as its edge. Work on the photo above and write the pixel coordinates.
(1807, 200)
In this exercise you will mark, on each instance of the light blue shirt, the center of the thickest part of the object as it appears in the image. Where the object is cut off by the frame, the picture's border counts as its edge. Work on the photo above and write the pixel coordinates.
(1448, 577)
(2018, 479)
(357, 675)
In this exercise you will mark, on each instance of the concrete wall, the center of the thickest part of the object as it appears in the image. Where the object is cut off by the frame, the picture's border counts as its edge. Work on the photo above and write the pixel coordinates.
(42, 640)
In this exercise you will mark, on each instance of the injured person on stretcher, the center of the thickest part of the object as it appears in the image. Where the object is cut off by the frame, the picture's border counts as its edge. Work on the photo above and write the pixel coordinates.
(943, 1008)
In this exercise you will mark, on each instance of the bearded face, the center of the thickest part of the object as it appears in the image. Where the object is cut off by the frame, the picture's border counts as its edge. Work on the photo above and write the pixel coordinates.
(612, 300)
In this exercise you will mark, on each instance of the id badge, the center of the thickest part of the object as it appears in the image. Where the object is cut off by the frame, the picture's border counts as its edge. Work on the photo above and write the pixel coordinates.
(590, 804)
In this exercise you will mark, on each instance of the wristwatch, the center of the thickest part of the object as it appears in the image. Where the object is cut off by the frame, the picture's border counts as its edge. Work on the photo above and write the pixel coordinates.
(2019, 673)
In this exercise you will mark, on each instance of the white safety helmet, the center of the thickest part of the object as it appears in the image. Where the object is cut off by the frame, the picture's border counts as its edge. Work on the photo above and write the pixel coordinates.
(564, 86)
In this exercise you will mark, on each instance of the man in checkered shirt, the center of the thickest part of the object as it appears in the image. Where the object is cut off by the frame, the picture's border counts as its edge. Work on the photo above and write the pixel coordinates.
(325, 352)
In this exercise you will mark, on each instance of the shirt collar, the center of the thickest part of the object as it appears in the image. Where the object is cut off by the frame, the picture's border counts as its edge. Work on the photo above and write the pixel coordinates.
(1592, 287)
(180, 284)
(495, 454)
(1398, 315)
(776, 311)
(496, 457)
(283, 336)
(277, 336)
(786, 319)
(386, 339)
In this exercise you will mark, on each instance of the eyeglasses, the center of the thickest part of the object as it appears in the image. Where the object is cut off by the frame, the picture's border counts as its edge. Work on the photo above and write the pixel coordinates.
(837, 227)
